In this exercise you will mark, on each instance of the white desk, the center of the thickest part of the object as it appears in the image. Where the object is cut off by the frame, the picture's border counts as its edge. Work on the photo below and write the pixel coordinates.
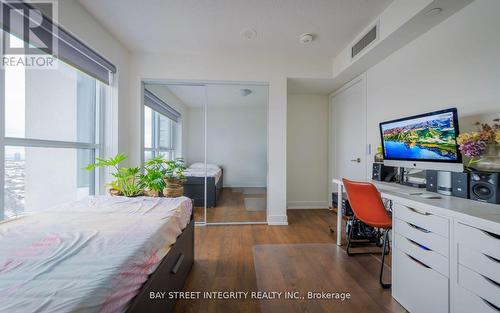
(446, 248)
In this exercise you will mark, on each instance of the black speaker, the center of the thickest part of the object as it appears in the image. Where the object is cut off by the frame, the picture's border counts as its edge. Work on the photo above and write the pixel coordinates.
(431, 180)
(460, 184)
(382, 172)
(485, 187)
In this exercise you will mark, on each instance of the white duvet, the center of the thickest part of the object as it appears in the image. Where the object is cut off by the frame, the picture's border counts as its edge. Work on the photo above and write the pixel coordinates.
(88, 256)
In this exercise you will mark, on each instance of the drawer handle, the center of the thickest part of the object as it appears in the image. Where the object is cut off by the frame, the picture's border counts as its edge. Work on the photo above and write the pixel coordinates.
(417, 261)
(178, 264)
(492, 258)
(419, 245)
(418, 228)
(491, 281)
(492, 234)
(491, 305)
(419, 212)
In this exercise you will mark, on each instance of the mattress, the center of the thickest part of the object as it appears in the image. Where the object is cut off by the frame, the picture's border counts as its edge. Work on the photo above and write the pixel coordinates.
(200, 172)
(92, 255)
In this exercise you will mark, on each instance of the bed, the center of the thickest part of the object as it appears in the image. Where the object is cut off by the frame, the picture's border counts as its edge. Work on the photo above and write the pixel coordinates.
(99, 254)
(194, 187)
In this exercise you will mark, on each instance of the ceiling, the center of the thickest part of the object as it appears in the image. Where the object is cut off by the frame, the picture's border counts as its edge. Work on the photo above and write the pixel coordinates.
(220, 95)
(194, 26)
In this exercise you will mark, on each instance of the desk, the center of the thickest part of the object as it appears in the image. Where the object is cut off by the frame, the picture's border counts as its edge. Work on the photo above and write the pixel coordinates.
(445, 247)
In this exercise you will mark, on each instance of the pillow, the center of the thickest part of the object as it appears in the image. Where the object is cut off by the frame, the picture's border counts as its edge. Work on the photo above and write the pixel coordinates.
(200, 165)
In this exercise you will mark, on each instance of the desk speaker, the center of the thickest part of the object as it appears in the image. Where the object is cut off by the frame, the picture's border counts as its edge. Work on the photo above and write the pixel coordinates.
(485, 187)
(382, 172)
(460, 184)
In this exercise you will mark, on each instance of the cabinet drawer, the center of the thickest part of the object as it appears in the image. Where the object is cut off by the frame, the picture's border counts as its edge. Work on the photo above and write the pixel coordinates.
(428, 258)
(427, 221)
(481, 240)
(479, 285)
(468, 302)
(479, 262)
(417, 288)
(424, 237)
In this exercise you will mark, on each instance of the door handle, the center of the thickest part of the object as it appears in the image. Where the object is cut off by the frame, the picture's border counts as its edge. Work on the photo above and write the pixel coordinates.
(358, 160)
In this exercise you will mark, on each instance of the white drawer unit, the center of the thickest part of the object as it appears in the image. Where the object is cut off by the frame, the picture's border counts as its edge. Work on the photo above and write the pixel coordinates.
(422, 236)
(479, 262)
(417, 287)
(480, 285)
(468, 302)
(424, 255)
(484, 241)
(425, 220)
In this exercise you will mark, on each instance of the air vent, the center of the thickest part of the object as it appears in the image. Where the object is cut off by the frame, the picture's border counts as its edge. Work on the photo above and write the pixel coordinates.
(364, 42)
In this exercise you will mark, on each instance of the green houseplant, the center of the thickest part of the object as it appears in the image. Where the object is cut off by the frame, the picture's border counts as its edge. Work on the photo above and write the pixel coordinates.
(152, 179)
(174, 178)
(127, 179)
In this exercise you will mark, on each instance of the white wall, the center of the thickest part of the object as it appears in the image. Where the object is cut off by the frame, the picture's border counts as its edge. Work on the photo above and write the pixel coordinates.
(162, 92)
(307, 151)
(455, 64)
(236, 140)
(249, 68)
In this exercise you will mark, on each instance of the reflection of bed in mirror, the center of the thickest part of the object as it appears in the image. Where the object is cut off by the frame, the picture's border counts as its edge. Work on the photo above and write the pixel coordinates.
(195, 182)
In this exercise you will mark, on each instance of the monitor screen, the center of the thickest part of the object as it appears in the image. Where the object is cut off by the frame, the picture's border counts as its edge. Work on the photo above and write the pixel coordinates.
(426, 137)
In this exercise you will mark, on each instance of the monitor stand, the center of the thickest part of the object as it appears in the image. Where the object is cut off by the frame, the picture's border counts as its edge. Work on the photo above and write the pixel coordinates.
(412, 177)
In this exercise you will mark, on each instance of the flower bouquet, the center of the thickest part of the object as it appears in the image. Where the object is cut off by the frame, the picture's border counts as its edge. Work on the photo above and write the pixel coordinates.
(481, 144)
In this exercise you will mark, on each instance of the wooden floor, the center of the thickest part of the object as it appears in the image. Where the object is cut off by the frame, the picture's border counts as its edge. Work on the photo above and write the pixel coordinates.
(224, 261)
(231, 208)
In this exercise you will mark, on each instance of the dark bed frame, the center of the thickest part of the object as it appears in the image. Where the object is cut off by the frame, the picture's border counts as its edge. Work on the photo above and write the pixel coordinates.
(170, 275)
(194, 189)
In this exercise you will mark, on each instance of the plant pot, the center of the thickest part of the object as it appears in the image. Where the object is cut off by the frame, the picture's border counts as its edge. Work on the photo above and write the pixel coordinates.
(151, 193)
(174, 187)
(114, 192)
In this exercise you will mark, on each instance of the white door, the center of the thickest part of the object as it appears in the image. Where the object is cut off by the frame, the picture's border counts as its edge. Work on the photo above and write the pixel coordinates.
(348, 109)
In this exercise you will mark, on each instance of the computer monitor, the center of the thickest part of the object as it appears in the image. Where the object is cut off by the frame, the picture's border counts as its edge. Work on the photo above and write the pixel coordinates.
(425, 141)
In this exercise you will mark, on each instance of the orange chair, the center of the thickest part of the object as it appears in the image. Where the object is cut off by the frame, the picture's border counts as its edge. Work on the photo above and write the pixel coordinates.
(368, 207)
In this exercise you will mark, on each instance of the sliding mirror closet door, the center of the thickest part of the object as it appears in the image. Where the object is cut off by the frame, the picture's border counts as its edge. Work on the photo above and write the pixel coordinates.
(174, 128)
(236, 153)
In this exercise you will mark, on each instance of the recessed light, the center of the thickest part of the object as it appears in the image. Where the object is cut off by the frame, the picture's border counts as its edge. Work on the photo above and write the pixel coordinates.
(248, 33)
(433, 12)
(306, 38)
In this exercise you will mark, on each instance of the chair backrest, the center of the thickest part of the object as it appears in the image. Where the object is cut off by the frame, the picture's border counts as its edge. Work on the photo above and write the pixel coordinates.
(366, 203)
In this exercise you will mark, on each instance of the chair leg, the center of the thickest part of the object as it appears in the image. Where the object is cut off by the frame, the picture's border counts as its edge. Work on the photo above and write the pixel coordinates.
(349, 238)
(386, 245)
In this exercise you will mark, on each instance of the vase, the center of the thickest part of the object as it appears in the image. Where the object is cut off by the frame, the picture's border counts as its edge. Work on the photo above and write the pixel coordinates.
(151, 193)
(490, 160)
(173, 187)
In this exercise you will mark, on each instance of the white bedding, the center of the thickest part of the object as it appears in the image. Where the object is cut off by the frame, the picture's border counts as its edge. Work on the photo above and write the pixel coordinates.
(200, 172)
(88, 256)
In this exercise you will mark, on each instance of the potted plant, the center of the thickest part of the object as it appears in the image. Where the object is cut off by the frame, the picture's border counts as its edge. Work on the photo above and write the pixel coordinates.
(174, 178)
(152, 178)
(482, 147)
(127, 182)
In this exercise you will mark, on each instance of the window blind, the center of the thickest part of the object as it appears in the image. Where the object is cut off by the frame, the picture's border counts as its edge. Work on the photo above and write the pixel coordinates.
(160, 106)
(55, 40)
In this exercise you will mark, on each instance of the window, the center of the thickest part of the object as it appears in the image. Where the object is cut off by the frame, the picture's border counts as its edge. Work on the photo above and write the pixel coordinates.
(50, 117)
(161, 129)
(160, 135)
(51, 133)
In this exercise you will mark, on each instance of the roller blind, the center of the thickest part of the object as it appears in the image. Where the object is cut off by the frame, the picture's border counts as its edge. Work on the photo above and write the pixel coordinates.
(160, 106)
(53, 39)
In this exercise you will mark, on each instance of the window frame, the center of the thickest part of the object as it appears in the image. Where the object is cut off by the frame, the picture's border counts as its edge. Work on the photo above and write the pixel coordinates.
(156, 148)
(96, 146)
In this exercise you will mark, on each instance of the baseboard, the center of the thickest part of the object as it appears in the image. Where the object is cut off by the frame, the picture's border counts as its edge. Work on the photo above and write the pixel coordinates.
(277, 220)
(307, 205)
(249, 185)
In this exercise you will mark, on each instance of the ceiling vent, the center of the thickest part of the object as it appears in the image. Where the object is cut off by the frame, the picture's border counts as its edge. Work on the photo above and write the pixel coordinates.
(364, 42)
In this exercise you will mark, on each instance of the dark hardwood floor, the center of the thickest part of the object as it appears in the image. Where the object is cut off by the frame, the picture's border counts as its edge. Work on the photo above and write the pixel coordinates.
(224, 261)
(231, 208)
